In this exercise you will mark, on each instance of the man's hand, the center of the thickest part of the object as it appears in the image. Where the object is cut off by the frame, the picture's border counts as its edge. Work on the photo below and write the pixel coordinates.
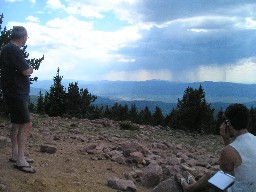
(224, 133)
(27, 72)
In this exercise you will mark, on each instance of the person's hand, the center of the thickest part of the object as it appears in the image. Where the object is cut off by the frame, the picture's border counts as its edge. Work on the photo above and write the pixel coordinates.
(27, 72)
(31, 70)
(224, 133)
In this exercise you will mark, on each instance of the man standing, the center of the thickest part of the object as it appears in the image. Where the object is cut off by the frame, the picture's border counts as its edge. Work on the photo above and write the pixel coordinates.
(15, 73)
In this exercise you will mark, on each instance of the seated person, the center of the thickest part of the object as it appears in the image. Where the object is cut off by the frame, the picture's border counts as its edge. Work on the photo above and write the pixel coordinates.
(237, 158)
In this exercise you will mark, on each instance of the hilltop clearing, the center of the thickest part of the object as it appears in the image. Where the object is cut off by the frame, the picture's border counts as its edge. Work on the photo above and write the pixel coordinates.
(84, 155)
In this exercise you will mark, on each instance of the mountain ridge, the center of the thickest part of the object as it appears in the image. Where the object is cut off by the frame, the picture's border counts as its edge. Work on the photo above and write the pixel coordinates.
(165, 91)
(164, 94)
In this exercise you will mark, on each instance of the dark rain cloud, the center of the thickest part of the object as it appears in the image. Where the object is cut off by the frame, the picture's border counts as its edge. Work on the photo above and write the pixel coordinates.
(179, 45)
(165, 10)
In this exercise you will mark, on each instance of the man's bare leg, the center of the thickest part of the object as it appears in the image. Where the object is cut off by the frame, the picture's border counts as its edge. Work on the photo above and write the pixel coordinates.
(22, 140)
(14, 140)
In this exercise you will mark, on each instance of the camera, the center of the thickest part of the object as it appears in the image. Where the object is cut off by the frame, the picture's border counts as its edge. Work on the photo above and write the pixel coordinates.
(227, 122)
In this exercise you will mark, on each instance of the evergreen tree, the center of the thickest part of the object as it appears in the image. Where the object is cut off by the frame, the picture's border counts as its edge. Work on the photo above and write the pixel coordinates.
(40, 104)
(123, 112)
(193, 112)
(86, 100)
(145, 116)
(73, 101)
(31, 106)
(171, 119)
(158, 117)
(55, 100)
(115, 111)
(107, 112)
(133, 114)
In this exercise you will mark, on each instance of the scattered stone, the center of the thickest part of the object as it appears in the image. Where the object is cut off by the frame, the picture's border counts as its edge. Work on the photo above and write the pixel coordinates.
(31, 181)
(152, 175)
(170, 170)
(154, 164)
(73, 125)
(168, 186)
(121, 184)
(138, 157)
(173, 160)
(90, 149)
(56, 137)
(48, 148)
(119, 158)
(203, 163)
(2, 187)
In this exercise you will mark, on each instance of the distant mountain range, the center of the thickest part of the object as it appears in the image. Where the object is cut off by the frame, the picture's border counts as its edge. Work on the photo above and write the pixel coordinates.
(154, 93)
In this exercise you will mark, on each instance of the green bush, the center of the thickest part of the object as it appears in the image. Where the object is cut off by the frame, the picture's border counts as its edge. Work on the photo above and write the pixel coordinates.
(128, 125)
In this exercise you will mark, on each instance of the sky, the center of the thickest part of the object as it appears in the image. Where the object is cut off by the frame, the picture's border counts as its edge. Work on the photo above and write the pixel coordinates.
(138, 40)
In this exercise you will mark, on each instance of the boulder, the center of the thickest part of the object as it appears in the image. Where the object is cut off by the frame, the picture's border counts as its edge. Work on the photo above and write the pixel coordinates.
(48, 148)
(152, 175)
(168, 186)
(121, 184)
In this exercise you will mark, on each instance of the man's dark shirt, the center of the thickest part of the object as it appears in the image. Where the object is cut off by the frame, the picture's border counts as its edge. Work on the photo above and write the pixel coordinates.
(14, 84)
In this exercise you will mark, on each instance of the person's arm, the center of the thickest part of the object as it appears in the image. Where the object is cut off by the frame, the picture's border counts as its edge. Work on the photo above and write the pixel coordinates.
(28, 71)
(224, 133)
(227, 160)
(21, 64)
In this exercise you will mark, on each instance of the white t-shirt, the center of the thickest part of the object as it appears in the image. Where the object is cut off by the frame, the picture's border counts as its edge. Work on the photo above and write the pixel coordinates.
(245, 174)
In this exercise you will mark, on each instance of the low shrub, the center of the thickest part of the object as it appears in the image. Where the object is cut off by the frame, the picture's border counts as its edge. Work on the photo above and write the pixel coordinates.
(128, 125)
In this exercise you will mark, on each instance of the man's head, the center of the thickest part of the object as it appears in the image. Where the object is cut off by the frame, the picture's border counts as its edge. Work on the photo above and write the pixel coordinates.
(238, 115)
(19, 34)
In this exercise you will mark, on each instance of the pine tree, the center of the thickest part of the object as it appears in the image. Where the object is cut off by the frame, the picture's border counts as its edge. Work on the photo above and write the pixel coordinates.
(73, 101)
(171, 119)
(193, 112)
(133, 114)
(40, 104)
(107, 112)
(145, 116)
(87, 110)
(158, 117)
(55, 100)
(123, 112)
(115, 112)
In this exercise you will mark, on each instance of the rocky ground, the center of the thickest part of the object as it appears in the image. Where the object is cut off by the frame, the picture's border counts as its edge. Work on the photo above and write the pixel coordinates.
(97, 156)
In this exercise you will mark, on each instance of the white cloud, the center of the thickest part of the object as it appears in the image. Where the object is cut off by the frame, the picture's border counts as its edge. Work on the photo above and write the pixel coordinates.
(249, 23)
(124, 60)
(70, 43)
(198, 30)
(84, 10)
(54, 4)
(32, 19)
(96, 8)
